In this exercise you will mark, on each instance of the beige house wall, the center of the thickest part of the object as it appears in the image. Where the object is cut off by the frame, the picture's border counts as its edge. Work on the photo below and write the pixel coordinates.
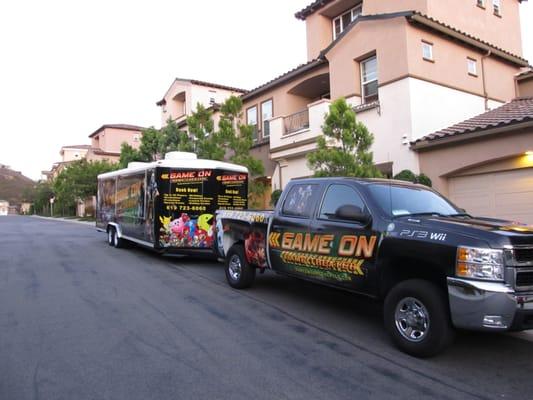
(194, 94)
(469, 157)
(525, 87)
(450, 66)
(319, 30)
(386, 38)
(389, 6)
(110, 139)
(73, 154)
(283, 103)
(465, 15)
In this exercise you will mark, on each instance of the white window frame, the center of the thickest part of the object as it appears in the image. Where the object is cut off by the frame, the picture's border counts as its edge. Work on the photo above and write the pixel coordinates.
(363, 83)
(497, 7)
(354, 13)
(266, 132)
(427, 45)
(471, 62)
(480, 3)
(256, 120)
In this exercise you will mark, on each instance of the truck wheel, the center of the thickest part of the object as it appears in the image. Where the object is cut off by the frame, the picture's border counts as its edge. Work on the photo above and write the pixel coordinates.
(239, 273)
(118, 243)
(110, 235)
(417, 317)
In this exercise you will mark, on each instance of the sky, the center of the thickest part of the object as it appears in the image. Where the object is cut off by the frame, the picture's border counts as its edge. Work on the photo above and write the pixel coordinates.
(68, 67)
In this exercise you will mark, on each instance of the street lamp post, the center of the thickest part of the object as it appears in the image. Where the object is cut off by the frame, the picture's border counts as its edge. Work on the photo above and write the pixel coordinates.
(52, 206)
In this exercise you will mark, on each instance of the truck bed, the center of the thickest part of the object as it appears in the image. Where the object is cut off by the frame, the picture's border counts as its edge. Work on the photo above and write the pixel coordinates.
(249, 228)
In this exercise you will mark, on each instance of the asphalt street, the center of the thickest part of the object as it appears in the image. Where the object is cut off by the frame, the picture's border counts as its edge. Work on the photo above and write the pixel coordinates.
(82, 320)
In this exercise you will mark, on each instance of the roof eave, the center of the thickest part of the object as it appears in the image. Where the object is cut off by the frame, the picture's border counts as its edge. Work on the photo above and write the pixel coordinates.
(430, 144)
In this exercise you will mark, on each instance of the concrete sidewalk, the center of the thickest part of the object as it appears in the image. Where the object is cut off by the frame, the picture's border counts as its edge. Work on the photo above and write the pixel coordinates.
(89, 223)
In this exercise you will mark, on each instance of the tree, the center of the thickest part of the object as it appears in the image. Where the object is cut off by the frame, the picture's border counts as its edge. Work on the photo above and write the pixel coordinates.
(344, 149)
(208, 144)
(78, 181)
(41, 195)
(155, 143)
(238, 139)
(410, 176)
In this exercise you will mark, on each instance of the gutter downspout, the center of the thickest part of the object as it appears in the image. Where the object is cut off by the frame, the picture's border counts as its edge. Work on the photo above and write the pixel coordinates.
(485, 94)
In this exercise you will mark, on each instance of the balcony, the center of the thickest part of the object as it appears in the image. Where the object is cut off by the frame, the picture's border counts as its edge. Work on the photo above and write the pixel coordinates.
(296, 133)
(296, 122)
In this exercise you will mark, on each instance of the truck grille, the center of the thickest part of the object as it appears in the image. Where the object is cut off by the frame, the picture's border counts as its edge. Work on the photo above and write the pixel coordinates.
(524, 278)
(523, 255)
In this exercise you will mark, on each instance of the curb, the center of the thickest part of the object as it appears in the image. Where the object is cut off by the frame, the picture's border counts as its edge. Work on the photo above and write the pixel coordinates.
(87, 223)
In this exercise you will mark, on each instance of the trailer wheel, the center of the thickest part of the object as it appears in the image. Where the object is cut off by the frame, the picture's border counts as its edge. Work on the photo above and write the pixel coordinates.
(110, 235)
(417, 318)
(239, 273)
(118, 242)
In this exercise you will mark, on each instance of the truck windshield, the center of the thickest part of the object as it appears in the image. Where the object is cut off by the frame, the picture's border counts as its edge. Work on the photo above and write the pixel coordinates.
(396, 201)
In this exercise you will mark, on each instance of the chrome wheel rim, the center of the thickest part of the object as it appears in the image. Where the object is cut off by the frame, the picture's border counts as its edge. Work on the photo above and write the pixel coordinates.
(235, 267)
(115, 238)
(412, 319)
(110, 236)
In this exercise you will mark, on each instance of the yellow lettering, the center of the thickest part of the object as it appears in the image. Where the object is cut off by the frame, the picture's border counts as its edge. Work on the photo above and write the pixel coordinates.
(365, 247)
(311, 245)
(298, 242)
(324, 244)
(347, 245)
(287, 240)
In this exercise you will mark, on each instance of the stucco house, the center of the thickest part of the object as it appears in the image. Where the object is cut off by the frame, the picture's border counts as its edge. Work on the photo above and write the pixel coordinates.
(485, 163)
(105, 145)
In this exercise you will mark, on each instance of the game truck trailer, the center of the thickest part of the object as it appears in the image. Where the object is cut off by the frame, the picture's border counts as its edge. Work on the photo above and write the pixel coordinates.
(169, 205)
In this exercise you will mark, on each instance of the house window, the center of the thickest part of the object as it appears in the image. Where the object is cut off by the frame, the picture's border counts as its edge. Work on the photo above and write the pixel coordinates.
(471, 66)
(369, 79)
(341, 22)
(480, 3)
(496, 5)
(427, 51)
(251, 119)
(266, 114)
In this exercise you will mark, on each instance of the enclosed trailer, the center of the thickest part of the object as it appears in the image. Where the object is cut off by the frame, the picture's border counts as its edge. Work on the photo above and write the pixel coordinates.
(169, 205)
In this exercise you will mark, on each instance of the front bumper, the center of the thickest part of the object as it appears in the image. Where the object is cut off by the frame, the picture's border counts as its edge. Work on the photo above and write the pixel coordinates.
(479, 305)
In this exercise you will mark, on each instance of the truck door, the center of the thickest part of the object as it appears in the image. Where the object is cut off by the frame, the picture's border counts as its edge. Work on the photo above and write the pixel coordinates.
(347, 243)
(290, 224)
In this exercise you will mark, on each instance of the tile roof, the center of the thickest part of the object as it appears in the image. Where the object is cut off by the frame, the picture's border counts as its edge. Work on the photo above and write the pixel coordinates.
(311, 8)
(516, 111)
(118, 126)
(81, 146)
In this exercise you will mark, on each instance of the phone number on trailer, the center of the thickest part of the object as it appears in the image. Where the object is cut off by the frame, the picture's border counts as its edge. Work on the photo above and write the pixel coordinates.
(186, 208)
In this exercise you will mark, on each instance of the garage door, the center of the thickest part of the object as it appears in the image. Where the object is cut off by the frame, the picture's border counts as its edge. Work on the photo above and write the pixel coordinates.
(506, 194)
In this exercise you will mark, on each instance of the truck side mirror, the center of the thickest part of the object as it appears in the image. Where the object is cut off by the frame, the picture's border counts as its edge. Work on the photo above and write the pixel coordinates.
(354, 213)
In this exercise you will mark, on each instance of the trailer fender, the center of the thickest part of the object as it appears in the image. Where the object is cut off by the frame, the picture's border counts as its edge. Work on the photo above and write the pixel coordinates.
(117, 228)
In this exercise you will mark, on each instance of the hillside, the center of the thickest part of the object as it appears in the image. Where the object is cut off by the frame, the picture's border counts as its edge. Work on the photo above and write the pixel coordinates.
(13, 185)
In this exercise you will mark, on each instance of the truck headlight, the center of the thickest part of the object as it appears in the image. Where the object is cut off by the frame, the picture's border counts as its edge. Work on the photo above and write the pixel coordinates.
(479, 263)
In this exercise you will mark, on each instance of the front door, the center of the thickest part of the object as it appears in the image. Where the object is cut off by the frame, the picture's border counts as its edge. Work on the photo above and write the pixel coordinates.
(350, 260)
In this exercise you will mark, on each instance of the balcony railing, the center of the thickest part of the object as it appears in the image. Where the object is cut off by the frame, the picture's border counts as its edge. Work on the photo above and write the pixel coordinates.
(296, 122)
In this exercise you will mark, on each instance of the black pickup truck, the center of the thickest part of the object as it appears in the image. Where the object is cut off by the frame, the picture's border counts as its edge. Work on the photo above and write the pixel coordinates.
(435, 267)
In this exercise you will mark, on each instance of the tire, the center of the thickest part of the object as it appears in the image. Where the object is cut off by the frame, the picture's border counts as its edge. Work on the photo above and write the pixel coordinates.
(417, 317)
(110, 235)
(239, 273)
(118, 243)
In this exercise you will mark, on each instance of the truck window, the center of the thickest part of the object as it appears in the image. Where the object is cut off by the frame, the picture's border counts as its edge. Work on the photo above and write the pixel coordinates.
(339, 195)
(300, 201)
